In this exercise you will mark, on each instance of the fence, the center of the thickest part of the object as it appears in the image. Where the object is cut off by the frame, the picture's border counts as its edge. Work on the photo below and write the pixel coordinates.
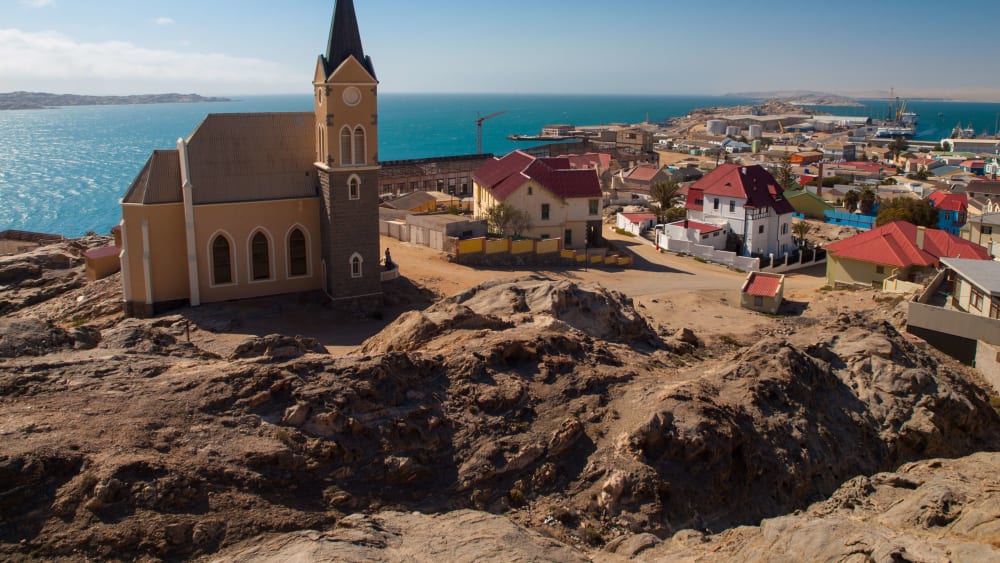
(797, 260)
(487, 251)
(709, 254)
(855, 220)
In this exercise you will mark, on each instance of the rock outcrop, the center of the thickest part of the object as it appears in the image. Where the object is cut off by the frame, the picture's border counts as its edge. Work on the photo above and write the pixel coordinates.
(550, 402)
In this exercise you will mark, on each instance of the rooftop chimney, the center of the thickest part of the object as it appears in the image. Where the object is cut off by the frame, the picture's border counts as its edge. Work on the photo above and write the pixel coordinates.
(921, 231)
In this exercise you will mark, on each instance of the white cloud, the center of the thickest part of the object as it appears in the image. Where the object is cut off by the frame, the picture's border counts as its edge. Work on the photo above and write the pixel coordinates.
(164, 21)
(54, 58)
(37, 3)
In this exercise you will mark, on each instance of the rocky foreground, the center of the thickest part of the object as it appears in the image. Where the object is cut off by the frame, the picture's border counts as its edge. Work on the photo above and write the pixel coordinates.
(530, 419)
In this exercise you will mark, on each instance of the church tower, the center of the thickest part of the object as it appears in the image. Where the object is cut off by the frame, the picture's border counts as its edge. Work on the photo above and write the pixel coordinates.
(346, 101)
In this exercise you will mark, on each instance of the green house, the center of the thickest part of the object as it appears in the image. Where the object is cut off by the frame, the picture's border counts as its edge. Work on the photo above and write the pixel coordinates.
(807, 203)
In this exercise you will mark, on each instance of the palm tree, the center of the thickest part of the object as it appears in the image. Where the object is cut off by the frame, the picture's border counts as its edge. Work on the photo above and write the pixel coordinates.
(867, 199)
(665, 194)
(801, 229)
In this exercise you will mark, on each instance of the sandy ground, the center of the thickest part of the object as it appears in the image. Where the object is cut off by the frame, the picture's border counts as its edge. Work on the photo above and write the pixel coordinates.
(671, 291)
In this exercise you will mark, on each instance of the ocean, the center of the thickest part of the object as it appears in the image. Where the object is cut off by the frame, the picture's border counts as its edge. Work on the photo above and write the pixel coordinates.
(63, 170)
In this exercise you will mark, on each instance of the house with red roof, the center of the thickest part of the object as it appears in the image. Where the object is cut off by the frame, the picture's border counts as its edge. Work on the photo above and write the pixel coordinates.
(763, 292)
(750, 202)
(635, 223)
(952, 210)
(900, 250)
(705, 234)
(640, 178)
(558, 200)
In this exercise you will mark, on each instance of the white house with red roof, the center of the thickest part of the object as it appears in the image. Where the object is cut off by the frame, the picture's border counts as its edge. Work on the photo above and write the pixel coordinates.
(635, 223)
(899, 250)
(750, 202)
(705, 234)
(560, 202)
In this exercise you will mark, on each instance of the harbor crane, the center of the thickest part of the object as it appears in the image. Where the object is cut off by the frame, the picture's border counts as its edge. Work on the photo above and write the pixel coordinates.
(479, 128)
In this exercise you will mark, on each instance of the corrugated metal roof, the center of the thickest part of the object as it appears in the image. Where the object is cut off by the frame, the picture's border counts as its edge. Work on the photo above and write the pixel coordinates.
(983, 273)
(505, 175)
(253, 157)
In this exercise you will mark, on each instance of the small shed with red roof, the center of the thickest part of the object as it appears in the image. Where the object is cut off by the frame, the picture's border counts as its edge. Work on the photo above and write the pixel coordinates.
(763, 292)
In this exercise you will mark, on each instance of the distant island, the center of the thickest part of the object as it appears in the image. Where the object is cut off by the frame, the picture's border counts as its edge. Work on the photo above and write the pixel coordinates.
(42, 100)
(801, 98)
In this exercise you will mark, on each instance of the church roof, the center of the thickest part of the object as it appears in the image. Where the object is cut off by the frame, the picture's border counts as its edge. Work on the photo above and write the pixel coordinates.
(235, 157)
(159, 181)
(345, 39)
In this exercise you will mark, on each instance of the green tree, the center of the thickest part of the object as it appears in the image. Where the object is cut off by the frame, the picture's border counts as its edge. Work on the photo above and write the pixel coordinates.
(851, 199)
(785, 176)
(506, 220)
(866, 200)
(801, 229)
(917, 211)
(665, 195)
(898, 146)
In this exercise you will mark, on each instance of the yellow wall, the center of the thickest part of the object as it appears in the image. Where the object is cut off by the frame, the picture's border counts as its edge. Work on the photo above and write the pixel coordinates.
(849, 271)
(496, 246)
(240, 221)
(547, 246)
(522, 246)
(470, 246)
(167, 252)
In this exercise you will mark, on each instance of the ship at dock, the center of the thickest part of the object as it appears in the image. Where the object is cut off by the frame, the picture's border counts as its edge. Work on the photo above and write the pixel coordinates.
(899, 123)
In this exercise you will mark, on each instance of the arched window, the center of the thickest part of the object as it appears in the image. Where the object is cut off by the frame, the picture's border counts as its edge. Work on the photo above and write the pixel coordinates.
(359, 146)
(356, 265)
(222, 264)
(345, 146)
(297, 264)
(354, 188)
(260, 266)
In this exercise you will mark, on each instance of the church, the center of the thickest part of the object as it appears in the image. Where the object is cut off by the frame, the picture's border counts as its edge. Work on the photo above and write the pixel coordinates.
(258, 204)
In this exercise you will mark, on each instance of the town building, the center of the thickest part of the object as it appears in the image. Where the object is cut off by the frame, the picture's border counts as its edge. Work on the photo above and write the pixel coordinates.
(898, 250)
(959, 314)
(984, 230)
(952, 210)
(449, 174)
(265, 203)
(750, 202)
(639, 178)
(839, 150)
(559, 201)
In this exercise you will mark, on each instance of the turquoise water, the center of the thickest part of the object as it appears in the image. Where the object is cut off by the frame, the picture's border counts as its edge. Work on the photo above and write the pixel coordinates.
(63, 170)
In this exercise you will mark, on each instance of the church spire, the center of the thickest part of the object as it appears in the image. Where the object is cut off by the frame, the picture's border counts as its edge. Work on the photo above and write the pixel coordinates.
(345, 39)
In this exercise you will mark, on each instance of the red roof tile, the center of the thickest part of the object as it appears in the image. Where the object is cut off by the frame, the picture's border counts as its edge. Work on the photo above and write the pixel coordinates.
(703, 228)
(642, 173)
(503, 176)
(590, 160)
(762, 285)
(751, 183)
(949, 201)
(895, 244)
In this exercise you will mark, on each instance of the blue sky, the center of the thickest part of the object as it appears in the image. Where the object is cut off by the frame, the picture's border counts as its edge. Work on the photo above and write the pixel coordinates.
(581, 46)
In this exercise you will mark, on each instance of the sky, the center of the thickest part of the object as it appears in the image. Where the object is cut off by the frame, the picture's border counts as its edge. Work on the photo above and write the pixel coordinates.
(648, 47)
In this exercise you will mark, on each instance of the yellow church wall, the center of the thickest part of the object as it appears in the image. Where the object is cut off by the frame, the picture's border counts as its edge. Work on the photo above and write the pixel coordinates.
(239, 222)
(167, 255)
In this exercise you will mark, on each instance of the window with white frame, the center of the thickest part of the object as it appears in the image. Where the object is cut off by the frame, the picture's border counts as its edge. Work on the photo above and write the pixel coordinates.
(357, 265)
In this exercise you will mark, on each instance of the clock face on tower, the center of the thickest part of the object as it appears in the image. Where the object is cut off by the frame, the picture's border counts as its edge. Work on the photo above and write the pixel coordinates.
(352, 96)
